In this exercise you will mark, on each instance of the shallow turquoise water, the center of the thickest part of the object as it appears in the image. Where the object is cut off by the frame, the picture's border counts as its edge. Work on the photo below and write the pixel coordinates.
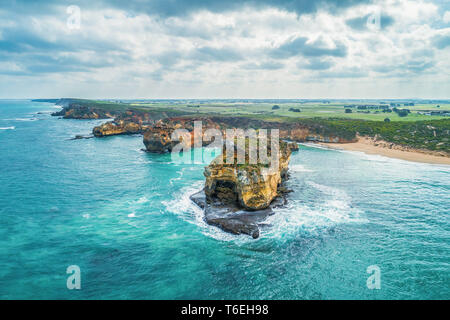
(124, 217)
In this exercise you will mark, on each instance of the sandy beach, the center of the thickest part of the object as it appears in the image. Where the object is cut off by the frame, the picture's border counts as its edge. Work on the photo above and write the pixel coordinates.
(367, 146)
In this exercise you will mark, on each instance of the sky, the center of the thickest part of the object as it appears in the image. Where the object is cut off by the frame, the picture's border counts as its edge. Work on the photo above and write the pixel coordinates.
(187, 49)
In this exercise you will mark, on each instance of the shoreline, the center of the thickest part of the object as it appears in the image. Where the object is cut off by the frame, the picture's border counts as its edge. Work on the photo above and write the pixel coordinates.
(366, 145)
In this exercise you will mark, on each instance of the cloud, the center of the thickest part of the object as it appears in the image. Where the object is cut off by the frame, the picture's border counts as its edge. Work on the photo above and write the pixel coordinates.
(266, 65)
(208, 54)
(217, 48)
(353, 72)
(316, 64)
(38, 64)
(446, 17)
(418, 66)
(171, 8)
(441, 41)
(303, 46)
(183, 7)
(413, 66)
(361, 23)
(21, 39)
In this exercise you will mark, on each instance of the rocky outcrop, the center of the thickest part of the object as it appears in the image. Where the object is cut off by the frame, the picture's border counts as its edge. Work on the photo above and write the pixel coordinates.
(233, 219)
(253, 186)
(131, 122)
(159, 125)
(74, 111)
(238, 197)
(158, 138)
(81, 137)
(301, 130)
(117, 128)
(293, 146)
(304, 134)
(294, 131)
(125, 121)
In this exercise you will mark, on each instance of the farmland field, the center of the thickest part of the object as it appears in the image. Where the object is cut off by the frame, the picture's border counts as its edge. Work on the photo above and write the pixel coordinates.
(307, 109)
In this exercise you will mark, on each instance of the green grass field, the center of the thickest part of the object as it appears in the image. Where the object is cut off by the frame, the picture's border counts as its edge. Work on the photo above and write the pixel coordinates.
(308, 110)
(265, 110)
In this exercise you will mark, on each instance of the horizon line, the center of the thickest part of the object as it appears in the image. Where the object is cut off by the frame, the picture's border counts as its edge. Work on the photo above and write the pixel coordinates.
(155, 99)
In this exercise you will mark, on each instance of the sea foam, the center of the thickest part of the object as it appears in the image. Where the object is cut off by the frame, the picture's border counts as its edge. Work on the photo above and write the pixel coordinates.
(297, 218)
(299, 168)
(291, 220)
(182, 206)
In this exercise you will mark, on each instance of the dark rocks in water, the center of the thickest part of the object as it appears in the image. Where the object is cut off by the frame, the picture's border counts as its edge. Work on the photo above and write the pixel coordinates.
(80, 137)
(232, 218)
(283, 190)
(293, 146)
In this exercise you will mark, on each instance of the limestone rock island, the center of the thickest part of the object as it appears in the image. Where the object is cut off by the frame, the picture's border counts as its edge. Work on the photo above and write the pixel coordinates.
(238, 197)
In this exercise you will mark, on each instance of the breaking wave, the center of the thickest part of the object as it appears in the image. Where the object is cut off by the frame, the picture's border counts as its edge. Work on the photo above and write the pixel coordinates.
(182, 206)
(299, 168)
(21, 119)
(298, 218)
(291, 220)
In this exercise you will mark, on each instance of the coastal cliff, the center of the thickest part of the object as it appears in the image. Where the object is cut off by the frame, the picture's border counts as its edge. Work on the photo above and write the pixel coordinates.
(76, 111)
(158, 125)
(158, 138)
(113, 128)
(428, 135)
(304, 134)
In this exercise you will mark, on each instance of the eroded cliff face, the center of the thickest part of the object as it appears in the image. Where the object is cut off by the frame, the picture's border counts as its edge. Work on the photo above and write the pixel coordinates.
(158, 126)
(119, 127)
(251, 186)
(158, 138)
(74, 111)
(239, 197)
(128, 122)
(303, 134)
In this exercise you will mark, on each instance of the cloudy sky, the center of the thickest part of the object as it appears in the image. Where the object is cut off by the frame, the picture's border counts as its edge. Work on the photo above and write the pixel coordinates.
(225, 49)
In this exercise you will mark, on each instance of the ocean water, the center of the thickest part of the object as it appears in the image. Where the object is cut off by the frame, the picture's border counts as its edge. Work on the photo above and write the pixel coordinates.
(124, 217)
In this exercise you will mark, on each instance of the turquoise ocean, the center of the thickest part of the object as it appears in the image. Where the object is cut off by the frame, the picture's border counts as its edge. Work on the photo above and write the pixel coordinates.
(124, 217)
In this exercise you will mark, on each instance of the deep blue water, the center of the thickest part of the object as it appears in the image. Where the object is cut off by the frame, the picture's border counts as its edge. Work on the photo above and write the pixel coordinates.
(124, 217)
